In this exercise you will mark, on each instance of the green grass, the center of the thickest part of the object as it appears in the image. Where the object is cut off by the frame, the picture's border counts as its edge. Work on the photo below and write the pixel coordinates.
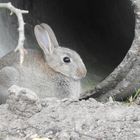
(134, 96)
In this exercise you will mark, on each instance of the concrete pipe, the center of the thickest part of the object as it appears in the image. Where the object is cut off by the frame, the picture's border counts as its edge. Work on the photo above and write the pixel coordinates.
(105, 34)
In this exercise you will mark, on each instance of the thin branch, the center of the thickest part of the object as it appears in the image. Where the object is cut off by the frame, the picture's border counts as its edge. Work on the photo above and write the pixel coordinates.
(18, 13)
(87, 135)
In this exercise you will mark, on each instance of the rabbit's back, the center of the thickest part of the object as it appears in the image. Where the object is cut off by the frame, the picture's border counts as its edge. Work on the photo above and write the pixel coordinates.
(34, 73)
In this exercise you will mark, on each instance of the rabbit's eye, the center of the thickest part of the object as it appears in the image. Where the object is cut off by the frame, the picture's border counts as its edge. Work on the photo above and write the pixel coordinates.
(66, 59)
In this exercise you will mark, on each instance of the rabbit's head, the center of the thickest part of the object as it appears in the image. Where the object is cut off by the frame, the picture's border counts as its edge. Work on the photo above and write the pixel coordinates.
(60, 59)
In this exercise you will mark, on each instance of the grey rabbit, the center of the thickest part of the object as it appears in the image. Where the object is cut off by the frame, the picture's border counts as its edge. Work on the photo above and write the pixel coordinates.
(53, 71)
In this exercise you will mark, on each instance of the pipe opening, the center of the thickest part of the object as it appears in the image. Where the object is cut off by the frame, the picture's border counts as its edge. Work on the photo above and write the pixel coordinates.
(101, 32)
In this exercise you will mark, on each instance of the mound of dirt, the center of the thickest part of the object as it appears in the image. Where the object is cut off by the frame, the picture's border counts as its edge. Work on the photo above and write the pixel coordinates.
(25, 117)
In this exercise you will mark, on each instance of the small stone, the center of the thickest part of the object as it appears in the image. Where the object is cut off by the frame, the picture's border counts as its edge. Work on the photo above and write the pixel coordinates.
(23, 101)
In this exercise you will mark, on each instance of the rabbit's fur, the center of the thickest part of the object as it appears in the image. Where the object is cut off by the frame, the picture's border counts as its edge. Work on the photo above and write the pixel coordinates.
(45, 72)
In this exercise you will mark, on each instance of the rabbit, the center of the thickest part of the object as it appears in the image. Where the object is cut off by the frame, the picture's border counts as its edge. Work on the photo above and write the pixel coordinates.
(52, 71)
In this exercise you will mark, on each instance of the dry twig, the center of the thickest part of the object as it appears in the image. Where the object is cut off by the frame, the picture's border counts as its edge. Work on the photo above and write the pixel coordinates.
(18, 13)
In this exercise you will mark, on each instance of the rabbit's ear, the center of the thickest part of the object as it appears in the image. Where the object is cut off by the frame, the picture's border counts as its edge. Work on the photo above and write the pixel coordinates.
(43, 39)
(51, 34)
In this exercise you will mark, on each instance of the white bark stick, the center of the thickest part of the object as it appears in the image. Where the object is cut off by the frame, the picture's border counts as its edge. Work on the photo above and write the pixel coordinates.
(18, 13)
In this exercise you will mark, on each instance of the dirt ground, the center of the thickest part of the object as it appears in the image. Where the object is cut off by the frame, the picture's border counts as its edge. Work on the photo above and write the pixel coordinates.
(26, 117)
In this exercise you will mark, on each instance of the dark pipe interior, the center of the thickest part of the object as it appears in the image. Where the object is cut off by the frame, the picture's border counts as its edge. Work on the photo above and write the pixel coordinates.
(102, 32)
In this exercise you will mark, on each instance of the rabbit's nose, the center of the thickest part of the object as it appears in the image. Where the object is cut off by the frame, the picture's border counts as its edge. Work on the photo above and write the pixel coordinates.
(81, 73)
